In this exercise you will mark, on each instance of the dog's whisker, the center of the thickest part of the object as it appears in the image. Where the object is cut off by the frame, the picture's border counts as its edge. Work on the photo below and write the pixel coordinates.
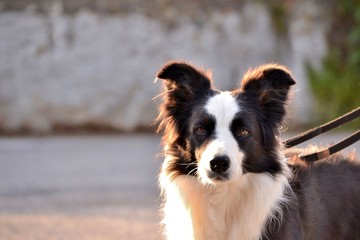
(191, 172)
(187, 164)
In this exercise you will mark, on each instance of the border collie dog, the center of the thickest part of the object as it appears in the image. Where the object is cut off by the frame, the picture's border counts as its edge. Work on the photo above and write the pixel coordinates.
(226, 175)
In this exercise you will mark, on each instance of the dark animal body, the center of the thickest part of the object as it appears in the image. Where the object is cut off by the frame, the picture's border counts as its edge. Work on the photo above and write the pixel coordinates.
(325, 200)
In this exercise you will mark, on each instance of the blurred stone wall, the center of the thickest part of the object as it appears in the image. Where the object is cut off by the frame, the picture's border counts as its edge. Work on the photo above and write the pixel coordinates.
(92, 63)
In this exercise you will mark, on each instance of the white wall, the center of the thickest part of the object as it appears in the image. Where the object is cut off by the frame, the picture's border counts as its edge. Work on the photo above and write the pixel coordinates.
(61, 69)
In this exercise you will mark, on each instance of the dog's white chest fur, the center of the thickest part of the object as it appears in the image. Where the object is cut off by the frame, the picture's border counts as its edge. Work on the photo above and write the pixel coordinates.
(232, 211)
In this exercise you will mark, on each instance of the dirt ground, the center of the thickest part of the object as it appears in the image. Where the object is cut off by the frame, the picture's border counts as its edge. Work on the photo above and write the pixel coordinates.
(134, 224)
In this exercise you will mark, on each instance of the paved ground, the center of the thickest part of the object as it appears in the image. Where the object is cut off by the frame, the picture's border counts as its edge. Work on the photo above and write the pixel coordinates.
(79, 188)
(82, 187)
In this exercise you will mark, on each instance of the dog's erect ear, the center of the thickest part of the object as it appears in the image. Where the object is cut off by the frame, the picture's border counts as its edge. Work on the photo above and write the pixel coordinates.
(270, 85)
(183, 84)
(183, 81)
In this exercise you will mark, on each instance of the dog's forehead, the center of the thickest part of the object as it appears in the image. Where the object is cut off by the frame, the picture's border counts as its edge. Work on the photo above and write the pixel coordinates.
(223, 106)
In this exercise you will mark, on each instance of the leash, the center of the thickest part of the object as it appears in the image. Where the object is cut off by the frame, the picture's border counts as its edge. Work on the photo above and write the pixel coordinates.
(303, 137)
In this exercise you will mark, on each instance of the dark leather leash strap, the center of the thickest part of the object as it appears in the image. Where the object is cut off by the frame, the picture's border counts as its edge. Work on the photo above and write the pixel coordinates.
(303, 137)
(333, 149)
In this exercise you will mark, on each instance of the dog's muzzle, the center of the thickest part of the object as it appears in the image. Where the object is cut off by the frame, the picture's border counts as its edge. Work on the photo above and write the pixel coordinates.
(219, 167)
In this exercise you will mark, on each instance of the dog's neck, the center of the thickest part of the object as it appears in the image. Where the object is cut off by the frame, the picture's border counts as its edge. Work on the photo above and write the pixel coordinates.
(236, 210)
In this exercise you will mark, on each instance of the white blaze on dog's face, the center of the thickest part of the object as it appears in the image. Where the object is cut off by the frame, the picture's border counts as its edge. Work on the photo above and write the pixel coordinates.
(220, 136)
(221, 158)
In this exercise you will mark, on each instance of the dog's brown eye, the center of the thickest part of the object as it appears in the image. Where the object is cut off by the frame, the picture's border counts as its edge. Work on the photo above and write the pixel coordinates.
(200, 130)
(242, 132)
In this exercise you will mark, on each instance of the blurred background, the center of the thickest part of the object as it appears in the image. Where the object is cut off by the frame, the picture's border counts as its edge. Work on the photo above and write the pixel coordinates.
(78, 150)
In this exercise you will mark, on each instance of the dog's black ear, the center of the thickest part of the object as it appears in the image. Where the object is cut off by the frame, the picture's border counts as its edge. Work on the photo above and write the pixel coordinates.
(270, 85)
(183, 85)
(183, 81)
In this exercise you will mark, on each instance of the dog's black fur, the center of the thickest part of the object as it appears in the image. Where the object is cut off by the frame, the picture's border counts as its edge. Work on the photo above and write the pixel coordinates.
(326, 200)
(323, 201)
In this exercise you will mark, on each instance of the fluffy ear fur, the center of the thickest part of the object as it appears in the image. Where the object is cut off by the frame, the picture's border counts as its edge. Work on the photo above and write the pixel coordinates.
(183, 84)
(269, 85)
(183, 81)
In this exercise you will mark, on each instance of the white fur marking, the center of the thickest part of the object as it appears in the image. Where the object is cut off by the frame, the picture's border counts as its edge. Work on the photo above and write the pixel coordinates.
(224, 108)
(232, 211)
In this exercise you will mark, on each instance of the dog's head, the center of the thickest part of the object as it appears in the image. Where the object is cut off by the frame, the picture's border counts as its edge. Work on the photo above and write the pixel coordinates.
(219, 136)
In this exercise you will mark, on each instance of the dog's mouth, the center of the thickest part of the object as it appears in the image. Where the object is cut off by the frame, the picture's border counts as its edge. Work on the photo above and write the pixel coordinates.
(221, 177)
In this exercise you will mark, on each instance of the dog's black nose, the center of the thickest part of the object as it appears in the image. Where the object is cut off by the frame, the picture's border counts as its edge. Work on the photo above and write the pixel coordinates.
(220, 164)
